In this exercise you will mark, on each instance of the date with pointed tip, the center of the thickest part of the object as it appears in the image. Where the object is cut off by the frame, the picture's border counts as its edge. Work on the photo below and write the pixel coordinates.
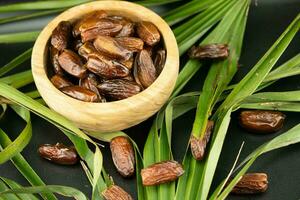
(162, 172)
(123, 155)
(59, 81)
(61, 35)
(148, 32)
(54, 54)
(198, 145)
(115, 192)
(132, 44)
(80, 93)
(210, 51)
(59, 154)
(251, 183)
(90, 82)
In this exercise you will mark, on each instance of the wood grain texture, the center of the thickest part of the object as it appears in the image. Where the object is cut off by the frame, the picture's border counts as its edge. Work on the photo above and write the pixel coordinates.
(111, 116)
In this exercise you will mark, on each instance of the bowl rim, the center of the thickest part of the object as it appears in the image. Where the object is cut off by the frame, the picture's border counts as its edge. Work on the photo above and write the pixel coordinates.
(167, 77)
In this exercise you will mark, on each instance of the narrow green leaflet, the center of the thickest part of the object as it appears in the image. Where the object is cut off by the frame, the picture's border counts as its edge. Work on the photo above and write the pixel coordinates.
(182, 12)
(62, 190)
(16, 62)
(290, 137)
(255, 77)
(18, 80)
(58, 120)
(24, 168)
(21, 141)
(3, 187)
(13, 185)
(19, 37)
(279, 106)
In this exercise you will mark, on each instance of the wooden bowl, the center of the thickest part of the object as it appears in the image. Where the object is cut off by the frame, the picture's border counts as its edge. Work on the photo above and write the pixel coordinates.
(117, 115)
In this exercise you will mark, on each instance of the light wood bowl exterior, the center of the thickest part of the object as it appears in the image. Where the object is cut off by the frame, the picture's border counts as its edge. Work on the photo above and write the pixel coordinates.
(117, 115)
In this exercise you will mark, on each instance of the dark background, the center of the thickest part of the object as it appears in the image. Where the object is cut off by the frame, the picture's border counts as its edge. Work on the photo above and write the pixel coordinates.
(267, 20)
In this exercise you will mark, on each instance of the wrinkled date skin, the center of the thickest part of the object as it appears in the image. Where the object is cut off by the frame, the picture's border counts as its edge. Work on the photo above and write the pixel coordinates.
(251, 183)
(106, 68)
(59, 81)
(61, 35)
(123, 155)
(127, 26)
(104, 27)
(148, 33)
(54, 53)
(159, 61)
(131, 43)
(115, 192)
(118, 89)
(90, 82)
(144, 69)
(80, 93)
(86, 49)
(259, 121)
(59, 154)
(110, 47)
(161, 172)
(198, 146)
(210, 51)
(72, 63)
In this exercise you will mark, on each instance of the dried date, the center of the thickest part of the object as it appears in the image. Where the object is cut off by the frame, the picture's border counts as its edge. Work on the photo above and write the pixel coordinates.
(161, 172)
(251, 183)
(198, 145)
(148, 32)
(123, 155)
(128, 27)
(159, 61)
(131, 43)
(54, 54)
(59, 81)
(72, 63)
(118, 89)
(90, 82)
(144, 70)
(61, 35)
(259, 121)
(59, 154)
(115, 192)
(80, 93)
(210, 51)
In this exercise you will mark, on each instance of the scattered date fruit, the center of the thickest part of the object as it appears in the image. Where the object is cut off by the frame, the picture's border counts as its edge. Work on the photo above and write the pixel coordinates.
(260, 121)
(123, 155)
(210, 51)
(115, 192)
(251, 183)
(162, 172)
(59, 154)
(103, 57)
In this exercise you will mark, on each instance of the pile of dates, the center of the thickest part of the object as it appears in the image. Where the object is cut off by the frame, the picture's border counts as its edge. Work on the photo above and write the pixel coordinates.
(105, 58)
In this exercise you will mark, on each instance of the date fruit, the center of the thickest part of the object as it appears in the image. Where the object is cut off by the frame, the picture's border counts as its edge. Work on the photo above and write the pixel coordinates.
(198, 145)
(80, 93)
(106, 68)
(118, 89)
(144, 70)
(260, 121)
(59, 82)
(90, 82)
(59, 154)
(161, 172)
(251, 183)
(72, 63)
(54, 53)
(123, 155)
(110, 47)
(159, 61)
(131, 43)
(210, 51)
(115, 192)
(61, 35)
(128, 26)
(148, 32)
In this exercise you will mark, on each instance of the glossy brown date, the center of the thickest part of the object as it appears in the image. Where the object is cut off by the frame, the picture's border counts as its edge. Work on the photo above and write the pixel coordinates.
(86, 49)
(251, 183)
(159, 61)
(127, 26)
(72, 63)
(80, 93)
(61, 35)
(90, 82)
(259, 121)
(144, 70)
(54, 54)
(59, 154)
(118, 89)
(210, 51)
(115, 192)
(123, 155)
(162, 172)
(198, 145)
(59, 81)
(131, 43)
(148, 32)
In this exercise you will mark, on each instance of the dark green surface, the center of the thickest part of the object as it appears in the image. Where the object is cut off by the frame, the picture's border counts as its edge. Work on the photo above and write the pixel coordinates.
(266, 22)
